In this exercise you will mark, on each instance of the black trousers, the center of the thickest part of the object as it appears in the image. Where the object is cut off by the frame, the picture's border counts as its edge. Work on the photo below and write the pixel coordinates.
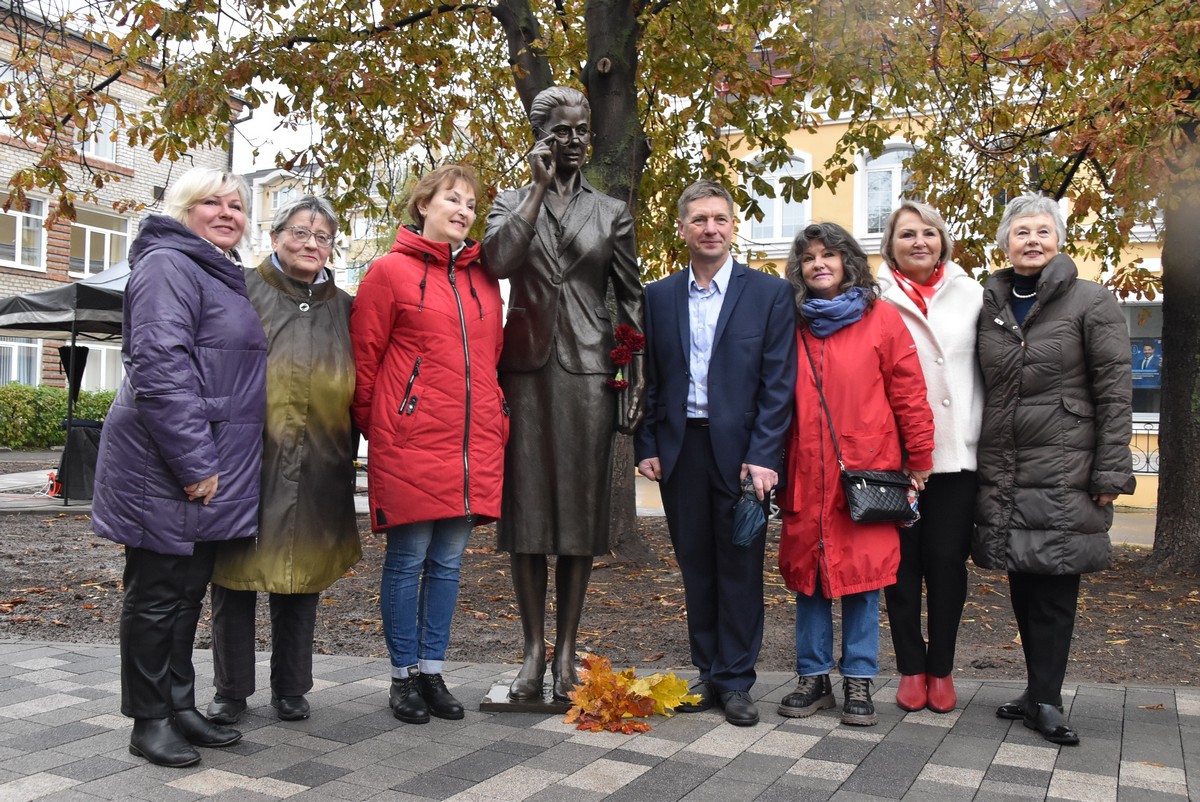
(1044, 606)
(163, 597)
(722, 583)
(293, 617)
(933, 555)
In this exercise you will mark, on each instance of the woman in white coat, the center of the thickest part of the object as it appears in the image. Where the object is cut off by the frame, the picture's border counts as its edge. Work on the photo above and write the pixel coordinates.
(940, 305)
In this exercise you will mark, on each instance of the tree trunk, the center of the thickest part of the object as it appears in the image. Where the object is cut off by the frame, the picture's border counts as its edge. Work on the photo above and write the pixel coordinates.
(627, 543)
(619, 147)
(1177, 533)
(619, 154)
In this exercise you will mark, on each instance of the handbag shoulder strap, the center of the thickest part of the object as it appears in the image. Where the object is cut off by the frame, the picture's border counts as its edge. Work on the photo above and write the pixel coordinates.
(821, 395)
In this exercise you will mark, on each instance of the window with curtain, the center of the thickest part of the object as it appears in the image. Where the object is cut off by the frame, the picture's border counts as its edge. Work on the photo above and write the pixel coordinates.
(19, 360)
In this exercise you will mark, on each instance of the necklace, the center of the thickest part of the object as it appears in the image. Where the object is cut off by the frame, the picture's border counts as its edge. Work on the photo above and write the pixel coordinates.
(1024, 297)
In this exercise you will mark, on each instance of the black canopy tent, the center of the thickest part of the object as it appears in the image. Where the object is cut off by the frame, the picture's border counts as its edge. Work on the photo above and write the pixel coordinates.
(89, 309)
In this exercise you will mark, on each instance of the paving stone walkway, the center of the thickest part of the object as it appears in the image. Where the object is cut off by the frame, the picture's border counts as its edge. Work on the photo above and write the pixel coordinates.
(62, 738)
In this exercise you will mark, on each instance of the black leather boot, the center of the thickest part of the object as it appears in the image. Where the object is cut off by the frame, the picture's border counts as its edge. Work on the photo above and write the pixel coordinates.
(159, 741)
(1048, 720)
(437, 696)
(201, 732)
(406, 701)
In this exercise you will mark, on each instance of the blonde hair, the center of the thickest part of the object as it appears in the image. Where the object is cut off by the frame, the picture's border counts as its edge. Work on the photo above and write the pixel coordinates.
(929, 216)
(203, 182)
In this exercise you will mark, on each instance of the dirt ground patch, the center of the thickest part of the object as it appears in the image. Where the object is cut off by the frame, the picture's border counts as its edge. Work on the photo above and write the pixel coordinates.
(58, 581)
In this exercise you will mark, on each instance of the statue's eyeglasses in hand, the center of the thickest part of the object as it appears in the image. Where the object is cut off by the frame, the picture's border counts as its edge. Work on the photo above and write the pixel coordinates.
(302, 235)
(563, 134)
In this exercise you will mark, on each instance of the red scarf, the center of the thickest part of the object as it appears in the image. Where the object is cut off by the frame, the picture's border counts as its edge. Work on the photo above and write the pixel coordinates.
(921, 293)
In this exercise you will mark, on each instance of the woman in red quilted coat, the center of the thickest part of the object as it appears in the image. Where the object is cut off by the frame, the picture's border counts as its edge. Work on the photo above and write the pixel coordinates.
(867, 364)
(426, 328)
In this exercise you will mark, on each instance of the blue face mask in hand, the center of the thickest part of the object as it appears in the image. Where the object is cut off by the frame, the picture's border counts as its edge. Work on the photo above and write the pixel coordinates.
(749, 516)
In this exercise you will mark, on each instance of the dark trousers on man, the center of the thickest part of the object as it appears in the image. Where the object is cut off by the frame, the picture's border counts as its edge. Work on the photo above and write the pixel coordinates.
(163, 597)
(293, 618)
(1044, 606)
(722, 583)
(933, 557)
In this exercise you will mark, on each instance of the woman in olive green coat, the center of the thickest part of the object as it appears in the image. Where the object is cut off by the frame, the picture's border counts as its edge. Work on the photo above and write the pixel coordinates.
(308, 535)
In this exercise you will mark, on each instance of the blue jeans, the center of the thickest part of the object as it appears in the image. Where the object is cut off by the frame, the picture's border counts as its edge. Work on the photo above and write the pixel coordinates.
(860, 634)
(420, 590)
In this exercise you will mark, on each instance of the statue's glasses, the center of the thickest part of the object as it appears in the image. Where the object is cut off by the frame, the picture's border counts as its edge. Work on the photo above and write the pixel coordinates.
(563, 134)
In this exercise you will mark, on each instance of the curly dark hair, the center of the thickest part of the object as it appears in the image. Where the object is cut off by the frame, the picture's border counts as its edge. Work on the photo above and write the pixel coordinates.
(854, 260)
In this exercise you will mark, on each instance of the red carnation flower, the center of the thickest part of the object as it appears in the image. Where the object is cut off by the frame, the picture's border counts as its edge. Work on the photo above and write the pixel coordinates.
(621, 355)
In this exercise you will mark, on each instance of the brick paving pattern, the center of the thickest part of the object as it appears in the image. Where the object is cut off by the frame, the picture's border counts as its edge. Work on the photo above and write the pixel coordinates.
(62, 738)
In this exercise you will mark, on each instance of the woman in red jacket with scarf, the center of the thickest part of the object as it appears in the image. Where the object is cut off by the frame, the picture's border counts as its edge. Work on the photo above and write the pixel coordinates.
(427, 332)
(871, 377)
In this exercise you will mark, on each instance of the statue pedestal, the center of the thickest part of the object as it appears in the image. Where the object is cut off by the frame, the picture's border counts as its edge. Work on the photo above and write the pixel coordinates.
(497, 701)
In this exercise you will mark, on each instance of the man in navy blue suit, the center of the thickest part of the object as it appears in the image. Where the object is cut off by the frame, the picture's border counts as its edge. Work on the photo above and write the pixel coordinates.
(721, 375)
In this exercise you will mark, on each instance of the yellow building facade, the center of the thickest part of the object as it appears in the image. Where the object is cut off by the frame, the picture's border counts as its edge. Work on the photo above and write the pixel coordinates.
(862, 204)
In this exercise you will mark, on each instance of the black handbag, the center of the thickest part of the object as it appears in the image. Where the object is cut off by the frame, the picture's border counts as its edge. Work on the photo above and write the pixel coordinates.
(871, 496)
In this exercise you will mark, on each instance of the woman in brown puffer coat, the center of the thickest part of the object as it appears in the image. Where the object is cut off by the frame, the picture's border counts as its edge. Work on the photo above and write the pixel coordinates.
(1054, 449)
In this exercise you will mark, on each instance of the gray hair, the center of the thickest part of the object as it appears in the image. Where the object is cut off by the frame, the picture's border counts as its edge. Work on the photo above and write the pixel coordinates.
(703, 189)
(550, 99)
(306, 203)
(1028, 204)
(203, 182)
(929, 216)
(836, 238)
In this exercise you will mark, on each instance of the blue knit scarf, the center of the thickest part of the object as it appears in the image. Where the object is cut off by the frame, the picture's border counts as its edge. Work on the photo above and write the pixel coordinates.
(826, 318)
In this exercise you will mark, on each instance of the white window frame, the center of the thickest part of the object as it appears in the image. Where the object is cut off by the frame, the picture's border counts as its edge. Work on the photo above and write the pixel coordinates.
(870, 240)
(9, 106)
(98, 142)
(107, 235)
(16, 345)
(775, 243)
(31, 223)
(102, 359)
(281, 195)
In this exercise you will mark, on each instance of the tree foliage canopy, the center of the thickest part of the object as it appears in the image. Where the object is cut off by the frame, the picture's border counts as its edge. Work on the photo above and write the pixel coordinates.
(1092, 100)
(1087, 99)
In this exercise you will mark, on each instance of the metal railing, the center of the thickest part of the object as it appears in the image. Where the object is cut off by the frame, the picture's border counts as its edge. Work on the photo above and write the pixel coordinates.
(1144, 447)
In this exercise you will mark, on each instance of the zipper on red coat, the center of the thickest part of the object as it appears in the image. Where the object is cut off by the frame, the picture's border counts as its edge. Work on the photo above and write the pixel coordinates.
(412, 379)
(462, 322)
(822, 559)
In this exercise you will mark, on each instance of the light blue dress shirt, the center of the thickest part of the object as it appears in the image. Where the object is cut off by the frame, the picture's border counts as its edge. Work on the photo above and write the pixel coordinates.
(704, 307)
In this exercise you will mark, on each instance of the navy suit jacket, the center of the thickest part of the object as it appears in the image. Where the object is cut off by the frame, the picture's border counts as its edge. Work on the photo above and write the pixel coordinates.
(751, 374)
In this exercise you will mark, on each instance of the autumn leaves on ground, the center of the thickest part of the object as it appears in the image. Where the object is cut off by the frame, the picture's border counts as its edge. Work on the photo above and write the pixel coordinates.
(60, 582)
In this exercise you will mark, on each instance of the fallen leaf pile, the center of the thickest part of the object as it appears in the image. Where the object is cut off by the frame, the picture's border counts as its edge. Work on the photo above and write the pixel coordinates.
(617, 701)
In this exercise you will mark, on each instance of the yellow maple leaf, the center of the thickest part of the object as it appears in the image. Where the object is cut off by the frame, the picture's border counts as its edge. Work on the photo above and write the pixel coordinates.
(666, 691)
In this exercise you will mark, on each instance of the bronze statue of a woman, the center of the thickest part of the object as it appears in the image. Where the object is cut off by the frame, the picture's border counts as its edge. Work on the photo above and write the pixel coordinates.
(560, 243)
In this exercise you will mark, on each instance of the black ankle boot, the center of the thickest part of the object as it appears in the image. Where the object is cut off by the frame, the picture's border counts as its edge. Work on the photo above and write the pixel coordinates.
(406, 702)
(438, 699)
(201, 732)
(160, 742)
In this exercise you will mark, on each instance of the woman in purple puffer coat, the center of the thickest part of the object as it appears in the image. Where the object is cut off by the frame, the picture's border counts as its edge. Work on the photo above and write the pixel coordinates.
(181, 451)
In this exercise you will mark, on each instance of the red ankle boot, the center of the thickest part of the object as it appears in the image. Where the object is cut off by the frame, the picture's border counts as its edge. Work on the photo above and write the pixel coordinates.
(942, 697)
(911, 693)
